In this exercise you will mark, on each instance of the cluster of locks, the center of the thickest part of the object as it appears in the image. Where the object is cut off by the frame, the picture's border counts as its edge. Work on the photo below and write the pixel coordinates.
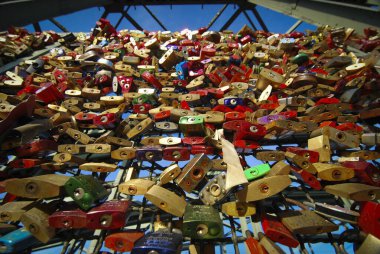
(199, 127)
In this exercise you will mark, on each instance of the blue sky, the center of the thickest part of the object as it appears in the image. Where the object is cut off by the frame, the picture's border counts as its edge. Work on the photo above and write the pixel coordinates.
(177, 18)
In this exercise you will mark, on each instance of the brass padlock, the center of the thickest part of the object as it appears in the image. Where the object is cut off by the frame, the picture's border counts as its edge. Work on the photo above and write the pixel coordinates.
(306, 222)
(36, 187)
(320, 144)
(270, 156)
(301, 162)
(136, 186)
(370, 245)
(340, 137)
(12, 211)
(36, 221)
(169, 174)
(79, 136)
(280, 168)
(202, 222)
(333, 172)
(354, 191)
(141, 128)
(98, 167)
(194, 172)
(239, 209)
(166, 200)
(215, 190)
(263, 188)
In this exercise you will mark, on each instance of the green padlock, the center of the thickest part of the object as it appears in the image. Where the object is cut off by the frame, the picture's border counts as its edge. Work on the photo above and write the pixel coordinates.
(300, 58)
(256, 171)
(192, 125)
(85, 190)
(144, 98)
(202, 222)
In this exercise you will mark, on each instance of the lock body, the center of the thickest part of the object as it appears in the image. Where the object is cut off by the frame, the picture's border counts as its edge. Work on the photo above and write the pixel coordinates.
(161, 241)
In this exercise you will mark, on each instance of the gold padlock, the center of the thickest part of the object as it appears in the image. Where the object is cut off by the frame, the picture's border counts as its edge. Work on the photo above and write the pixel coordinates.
(321, 144)
(263, 188)
(98, 167)
(340, 137)
(280, 168)
(301, 162)
(354, 191)
(169, 174)
(239, 209)
(333, 172)
(136, 186)
(12, 211)
(166, 200)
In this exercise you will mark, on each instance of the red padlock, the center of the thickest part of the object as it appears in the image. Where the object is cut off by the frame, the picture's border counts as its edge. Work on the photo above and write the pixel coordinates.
(369, 219)
(277, 232)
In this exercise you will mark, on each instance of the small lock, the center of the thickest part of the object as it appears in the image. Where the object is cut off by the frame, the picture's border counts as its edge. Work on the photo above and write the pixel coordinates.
(122, 241)
(162, 241)
(169, 174)
(280, 168)
(194, 172)
(85, 190)
(68, 219)
(270, 156)
(98, 167)
(333, 172)
(136, 186)
(256, 171)
(12, 211)
(202, 222)
(176, 153)
(149, 153)
(277, 232)
(239, 209)
(192, 125)
(354, 191)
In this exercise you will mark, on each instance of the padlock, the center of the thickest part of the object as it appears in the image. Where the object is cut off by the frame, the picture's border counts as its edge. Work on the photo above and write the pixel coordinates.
(109, 215)
(366, 172)
(269, 77)
(176, 153)
(12, 211)
(202, 222)
(301, 162)
(214, 191)
(85, 190)
(256, 171)
(277, 232)
(97, 148)
(170, 141)
(162, 241)
(311, 156)
(79, 136)
(239, 209)
(17, 241)
(166, 126)
(305, 222)
(151, 141)
(136, 186)
(362, 154)
(149, 153)
(176, 114)
(194, 172)
(169, 174)
(166, 200)
(98, 167)
(333, 172)
(73, 218)
(307, 178)
(36, 187)
(340, 137)
(263, 188)
(124, 153)
(369, 218)
(192, 125)
(270, 156)
(280, 168)
(321, 144)
(122, 241)
(36, 221)
(141, 128)
(354, 191)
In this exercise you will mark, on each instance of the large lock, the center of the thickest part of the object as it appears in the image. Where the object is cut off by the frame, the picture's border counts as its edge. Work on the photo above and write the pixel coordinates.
(43, 186)
(354, 191)
(12, 211)
(166, 200)
(85, 190)
(69, 219)
(239, 209)
(162, 241)
(202, 222)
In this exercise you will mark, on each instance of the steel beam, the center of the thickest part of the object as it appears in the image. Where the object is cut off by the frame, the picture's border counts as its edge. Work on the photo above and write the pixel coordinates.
(154, 17)
(294, 26)
(217, 15)
(59, 25)
(231, 19)
(259, 19)
(321, 13)
(249, 20)
(20, 13)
